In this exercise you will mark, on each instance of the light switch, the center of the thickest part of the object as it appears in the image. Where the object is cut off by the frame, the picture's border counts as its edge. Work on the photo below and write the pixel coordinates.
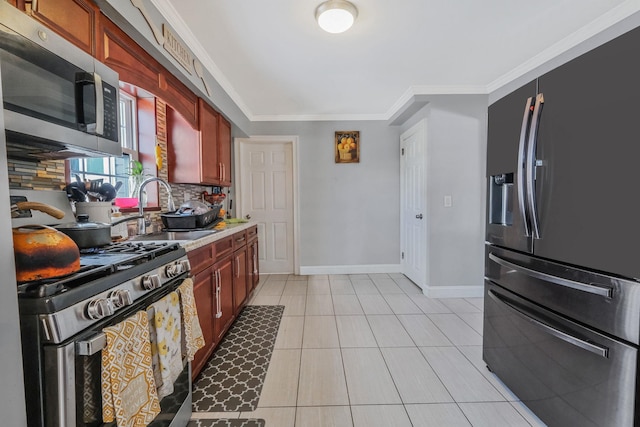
(447, 201)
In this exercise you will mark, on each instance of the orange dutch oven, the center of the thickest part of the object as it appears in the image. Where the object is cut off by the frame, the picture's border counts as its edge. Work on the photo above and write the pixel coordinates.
(42, 252)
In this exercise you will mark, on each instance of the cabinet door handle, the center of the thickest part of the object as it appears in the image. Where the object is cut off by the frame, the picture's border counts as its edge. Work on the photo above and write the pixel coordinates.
(218, 303)
(238, 267)
(220, 171)
(255, 264)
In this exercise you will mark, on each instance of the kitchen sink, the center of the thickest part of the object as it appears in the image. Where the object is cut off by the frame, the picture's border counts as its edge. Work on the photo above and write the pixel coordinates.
(174, 235)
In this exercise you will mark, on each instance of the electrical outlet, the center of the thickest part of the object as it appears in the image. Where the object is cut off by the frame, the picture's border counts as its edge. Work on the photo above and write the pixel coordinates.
(447, 201)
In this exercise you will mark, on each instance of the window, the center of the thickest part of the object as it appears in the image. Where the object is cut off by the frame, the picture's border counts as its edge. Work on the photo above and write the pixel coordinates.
(113, 169)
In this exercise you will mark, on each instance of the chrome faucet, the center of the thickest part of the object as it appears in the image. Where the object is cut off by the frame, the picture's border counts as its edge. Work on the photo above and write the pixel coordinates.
(142, 226)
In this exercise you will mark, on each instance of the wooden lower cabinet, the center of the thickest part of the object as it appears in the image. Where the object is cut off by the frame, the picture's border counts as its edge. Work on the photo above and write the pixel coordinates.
(205, 296)
(226, 313)
(240, 278)
(253, 268)
(222, 286)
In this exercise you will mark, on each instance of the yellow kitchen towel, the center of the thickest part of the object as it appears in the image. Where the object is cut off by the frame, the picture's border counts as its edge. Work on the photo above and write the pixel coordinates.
(128, 389)
(167, 343)
(193, 338)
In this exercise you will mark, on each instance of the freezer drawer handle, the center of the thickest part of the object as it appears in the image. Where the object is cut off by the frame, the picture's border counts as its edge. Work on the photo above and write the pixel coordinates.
(592, 289)
(593, 348)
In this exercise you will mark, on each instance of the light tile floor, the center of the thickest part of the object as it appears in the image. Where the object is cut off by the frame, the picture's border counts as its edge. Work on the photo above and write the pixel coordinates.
(371, 350)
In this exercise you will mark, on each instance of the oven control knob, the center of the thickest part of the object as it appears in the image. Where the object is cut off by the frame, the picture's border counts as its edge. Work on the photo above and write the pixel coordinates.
(173, 270)
(120, 298)
(186, 265)
(151, 282)
(99, 308)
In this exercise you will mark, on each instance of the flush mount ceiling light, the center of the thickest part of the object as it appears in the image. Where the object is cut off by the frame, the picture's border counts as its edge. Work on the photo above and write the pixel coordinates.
(336, 16)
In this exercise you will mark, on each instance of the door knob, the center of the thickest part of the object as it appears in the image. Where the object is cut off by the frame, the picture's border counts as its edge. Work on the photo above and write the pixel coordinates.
(419, 216)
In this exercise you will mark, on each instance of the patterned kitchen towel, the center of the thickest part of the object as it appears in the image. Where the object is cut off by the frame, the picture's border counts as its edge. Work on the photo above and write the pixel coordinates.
(193, 340)
(167, 342)
(128, 389)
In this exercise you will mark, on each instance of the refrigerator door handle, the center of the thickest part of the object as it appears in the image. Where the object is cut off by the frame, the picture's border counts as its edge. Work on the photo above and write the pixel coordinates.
(522, 148)
(531, 165)
(584, 287)
(593, 348)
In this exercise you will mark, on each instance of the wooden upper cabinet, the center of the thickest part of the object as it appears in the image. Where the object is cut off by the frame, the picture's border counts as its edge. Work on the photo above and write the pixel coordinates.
(210, 167)
(75, 20)
(224, 150)
(118, 51)
(183, 148)
(176, 94)
(134, 65)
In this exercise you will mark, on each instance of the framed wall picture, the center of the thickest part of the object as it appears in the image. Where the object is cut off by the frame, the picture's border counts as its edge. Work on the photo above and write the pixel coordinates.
(347, 146)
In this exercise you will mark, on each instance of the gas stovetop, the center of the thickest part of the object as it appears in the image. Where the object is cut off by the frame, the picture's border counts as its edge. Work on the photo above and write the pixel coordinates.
(101, 269)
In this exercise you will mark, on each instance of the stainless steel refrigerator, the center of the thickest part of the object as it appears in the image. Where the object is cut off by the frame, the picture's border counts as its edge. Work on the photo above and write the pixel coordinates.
(562, 265)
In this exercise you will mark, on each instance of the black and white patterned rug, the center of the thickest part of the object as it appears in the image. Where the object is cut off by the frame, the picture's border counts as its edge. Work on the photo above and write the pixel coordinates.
(232, 379)
(227, 422)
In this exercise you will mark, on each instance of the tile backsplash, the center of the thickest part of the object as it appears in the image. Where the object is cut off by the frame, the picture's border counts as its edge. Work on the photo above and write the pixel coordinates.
(50, 174)
(44, 175)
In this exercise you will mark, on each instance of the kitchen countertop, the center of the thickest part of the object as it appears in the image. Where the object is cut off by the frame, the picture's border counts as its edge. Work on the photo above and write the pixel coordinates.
(231, 229)
(190, 245)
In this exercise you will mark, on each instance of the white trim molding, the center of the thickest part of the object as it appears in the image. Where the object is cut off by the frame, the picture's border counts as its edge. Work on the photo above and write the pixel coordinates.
(349, 269)
(461, 291)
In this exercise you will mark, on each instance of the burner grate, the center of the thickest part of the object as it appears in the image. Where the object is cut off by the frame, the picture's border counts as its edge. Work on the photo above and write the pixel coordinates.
(48, 287)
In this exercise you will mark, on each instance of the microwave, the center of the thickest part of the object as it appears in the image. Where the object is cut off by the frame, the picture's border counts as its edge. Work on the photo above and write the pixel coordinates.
(58, 101)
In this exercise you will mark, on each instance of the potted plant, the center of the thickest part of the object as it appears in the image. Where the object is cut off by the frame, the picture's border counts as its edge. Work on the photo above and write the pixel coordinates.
(137, 175)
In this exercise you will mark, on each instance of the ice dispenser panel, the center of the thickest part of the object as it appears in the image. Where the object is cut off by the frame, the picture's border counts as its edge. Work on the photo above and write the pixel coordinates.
(501, 199)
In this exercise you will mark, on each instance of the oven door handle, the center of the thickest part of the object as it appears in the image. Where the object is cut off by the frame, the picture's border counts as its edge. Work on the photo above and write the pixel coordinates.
(570, 339)
(91, 346)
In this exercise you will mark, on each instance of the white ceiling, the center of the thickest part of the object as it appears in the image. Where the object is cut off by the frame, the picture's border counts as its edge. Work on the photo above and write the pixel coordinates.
(277, 64)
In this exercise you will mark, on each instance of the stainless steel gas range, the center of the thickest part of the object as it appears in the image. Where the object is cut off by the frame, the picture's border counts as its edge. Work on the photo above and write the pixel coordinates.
(62, 322)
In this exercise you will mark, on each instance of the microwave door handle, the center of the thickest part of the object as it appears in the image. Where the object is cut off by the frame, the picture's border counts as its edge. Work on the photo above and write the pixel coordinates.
(570, 339)
(522, 147)
(531, 165)
(99, 104)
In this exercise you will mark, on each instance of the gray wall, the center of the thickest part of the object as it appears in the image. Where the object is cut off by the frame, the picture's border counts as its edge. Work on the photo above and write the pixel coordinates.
(456, 153)
(349, 212)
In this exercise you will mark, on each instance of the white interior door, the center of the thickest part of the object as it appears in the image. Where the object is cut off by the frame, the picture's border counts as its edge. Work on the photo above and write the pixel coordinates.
(266, 195)
(413, 199)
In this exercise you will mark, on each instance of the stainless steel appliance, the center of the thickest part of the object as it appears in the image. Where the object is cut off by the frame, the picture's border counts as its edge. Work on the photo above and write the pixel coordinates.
(562, 298)
(62, 322)
(58, 101)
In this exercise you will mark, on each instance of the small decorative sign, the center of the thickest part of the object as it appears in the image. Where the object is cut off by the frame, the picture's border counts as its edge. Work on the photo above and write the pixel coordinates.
(177, 49)
(347, 146)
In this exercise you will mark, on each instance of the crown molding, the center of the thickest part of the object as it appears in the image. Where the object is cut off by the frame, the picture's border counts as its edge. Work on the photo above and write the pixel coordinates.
(178, 24)
(407, 97)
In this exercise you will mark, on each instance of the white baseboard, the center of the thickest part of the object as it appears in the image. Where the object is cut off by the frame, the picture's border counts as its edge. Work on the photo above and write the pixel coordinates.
(471, 291)
(350, 269)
